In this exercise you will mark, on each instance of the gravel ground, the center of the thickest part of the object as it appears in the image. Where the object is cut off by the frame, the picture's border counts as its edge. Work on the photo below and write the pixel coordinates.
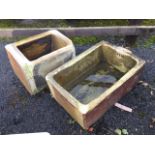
(22, 113)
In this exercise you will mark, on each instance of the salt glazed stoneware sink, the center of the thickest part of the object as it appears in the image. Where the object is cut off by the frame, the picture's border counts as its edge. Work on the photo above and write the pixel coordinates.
(87, 86)
(34, 57)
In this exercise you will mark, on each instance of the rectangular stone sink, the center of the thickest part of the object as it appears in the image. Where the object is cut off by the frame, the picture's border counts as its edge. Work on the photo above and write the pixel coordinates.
(87, 86)
(34, 57)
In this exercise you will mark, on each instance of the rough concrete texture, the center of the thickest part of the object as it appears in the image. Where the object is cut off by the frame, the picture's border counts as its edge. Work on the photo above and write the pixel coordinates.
(82, 31)
(34, 57)
(22, 113)
(86, 114)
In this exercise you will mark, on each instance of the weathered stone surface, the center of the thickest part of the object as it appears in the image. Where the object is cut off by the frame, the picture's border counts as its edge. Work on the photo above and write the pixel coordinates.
(33, 58)
(70, 74)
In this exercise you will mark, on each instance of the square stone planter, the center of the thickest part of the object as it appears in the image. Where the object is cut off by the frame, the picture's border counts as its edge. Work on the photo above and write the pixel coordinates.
(87, 86)
(34, 57)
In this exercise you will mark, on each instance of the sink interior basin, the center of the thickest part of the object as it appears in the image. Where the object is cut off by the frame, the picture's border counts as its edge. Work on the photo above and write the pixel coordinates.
(42, 46)
(91, 76)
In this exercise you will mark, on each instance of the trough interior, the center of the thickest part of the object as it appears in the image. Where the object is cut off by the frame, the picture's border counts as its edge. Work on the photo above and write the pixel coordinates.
(39, 47)
(88, 78)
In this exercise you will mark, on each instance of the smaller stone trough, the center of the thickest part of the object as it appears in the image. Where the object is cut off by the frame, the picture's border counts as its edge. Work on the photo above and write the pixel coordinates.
(34, 57)
(87, 86)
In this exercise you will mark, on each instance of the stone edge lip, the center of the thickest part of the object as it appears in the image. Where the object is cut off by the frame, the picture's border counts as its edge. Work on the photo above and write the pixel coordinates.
(81, 31)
